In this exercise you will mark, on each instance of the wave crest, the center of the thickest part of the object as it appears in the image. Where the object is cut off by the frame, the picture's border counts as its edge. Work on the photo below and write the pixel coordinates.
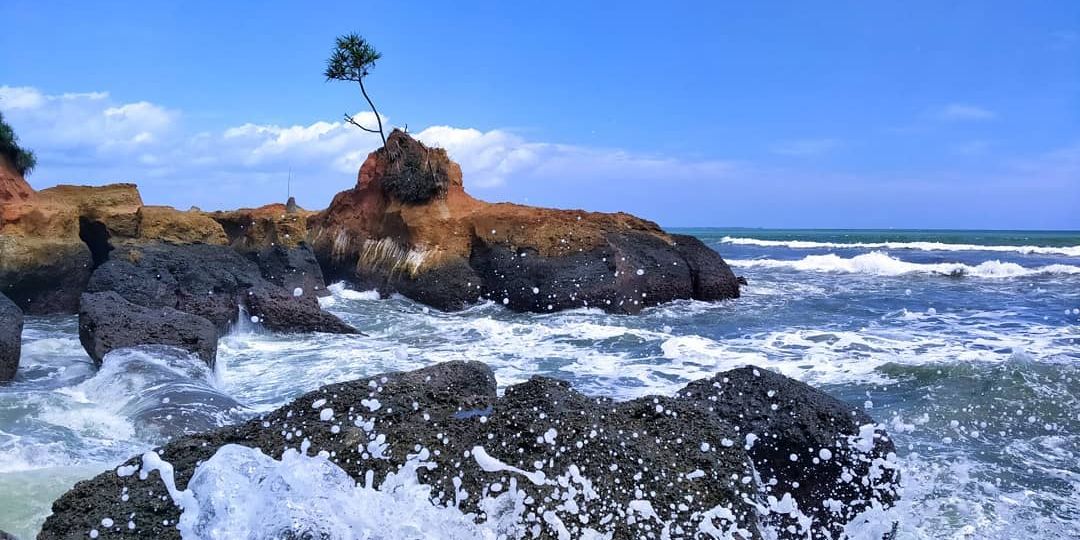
(1070, 251)
(882, 264)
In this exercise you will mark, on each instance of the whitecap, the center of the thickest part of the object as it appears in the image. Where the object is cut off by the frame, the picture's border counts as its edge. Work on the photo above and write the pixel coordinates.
(882, 264)
(1070, 251)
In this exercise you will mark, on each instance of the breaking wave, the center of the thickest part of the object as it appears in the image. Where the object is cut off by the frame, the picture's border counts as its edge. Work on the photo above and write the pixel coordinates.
(1069, 251)
(883, 264)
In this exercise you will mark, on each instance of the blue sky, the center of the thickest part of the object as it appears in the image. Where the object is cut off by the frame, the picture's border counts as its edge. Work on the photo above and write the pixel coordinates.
(775, 114)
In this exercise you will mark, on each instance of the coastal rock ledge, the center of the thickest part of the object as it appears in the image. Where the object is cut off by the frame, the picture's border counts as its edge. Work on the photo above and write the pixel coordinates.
(409, 227)
(746, 454)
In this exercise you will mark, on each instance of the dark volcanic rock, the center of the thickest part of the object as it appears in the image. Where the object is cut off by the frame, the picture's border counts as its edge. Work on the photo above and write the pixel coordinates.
(632, 270)
(44, 276)
(409, 227)
(648, 468)
(273, 236)
(11, 325)
(291, 269)
(213, 282)
(816, 447)
(282, 311)
(108, 322)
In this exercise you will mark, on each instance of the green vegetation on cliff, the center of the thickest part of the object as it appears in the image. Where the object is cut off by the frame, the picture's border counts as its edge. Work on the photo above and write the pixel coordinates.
(22, 159)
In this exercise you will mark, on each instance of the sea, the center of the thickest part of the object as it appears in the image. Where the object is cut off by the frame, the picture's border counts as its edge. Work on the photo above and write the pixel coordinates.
(965, 345)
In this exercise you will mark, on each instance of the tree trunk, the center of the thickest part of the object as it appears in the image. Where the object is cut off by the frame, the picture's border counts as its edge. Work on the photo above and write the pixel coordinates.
(377, 117)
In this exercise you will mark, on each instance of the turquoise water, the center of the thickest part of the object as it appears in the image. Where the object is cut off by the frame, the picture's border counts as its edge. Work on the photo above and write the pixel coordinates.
(965, 344)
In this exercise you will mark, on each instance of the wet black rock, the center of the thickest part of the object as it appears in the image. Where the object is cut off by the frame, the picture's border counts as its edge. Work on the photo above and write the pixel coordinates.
(631, 271)
(829, 456)
(11, 325)
(290, 268)
(648, 468)
(108, 322)
(46, 279)
(213, 282)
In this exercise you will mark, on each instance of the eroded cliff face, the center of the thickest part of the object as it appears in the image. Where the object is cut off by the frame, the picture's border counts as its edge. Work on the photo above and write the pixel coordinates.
(13, 186)
(51, 241)
(409, 227)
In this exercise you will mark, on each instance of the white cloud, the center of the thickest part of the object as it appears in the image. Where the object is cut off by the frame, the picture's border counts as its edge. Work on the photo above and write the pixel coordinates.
(90, 138)
(83, 122)
(962, 112)
(806, 147)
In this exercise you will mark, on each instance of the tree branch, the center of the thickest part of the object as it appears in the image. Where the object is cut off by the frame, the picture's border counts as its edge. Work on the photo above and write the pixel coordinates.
(350, 120)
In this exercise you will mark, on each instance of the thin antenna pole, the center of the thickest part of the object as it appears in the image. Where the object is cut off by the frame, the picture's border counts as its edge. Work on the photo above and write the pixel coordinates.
(288, 188)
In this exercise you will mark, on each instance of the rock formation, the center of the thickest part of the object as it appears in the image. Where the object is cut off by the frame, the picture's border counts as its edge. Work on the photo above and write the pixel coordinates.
(409, 227)
(275, 237)
(807, 425)
(50, 243)
(212, 282)
(706, 460)
(108, 322)
(13, 187)
(11, 325)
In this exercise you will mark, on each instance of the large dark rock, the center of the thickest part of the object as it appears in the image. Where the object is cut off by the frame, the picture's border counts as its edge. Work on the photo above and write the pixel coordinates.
(805, 443)
(108, 322)
(630, 271)
(648, 468)
(44, 276)
(213, 282)
(409, 227)
(11, 325)
(291, 269)
(274, 237)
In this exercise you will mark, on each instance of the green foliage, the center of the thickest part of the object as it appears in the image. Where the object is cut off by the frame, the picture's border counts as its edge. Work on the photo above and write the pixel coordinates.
(22, 159)
(352, 59)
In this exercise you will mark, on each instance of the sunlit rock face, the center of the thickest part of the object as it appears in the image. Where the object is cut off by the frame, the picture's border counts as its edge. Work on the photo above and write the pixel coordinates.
(51, 241)
(437, 452)
(409, 227)
(13, 186)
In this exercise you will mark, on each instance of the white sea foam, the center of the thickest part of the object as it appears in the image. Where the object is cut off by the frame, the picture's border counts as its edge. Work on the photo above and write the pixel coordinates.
(1071, 251)
(882, 264)
(340, 290)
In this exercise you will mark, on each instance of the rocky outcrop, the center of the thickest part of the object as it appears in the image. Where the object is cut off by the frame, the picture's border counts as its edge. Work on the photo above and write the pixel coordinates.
(108, 322)
(50, 243)
(167, 224)
(212, 282)
(804, 443)
(698, 464)
(408, 226)
(11, 325)
(274, 237)
(13, 187)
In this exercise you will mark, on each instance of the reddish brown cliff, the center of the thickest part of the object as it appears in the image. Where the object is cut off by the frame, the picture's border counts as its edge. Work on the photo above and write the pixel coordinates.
(409, 226)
